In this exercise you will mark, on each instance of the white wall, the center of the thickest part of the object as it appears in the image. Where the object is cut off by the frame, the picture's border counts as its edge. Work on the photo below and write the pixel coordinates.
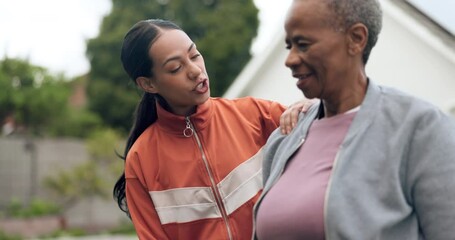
(265, 76)
(412, 59)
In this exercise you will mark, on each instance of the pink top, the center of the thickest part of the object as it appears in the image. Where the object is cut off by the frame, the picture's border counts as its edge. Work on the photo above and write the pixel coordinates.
(294, 206)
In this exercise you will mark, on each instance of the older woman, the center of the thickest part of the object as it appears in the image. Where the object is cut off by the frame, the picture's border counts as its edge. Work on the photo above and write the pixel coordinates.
(368, 162)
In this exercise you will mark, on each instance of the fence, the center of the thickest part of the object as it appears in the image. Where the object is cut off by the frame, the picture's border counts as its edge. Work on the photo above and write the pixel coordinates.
(24, 164)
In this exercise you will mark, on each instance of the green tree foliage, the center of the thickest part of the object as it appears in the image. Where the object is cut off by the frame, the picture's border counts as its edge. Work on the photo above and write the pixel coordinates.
(78, 121)
(37, 207)
(33, 97)
(82, 181)
(222, 30)
(38, 101)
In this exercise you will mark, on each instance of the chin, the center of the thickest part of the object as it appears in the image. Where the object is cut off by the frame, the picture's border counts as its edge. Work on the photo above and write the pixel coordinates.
(204, 98)
(307, 94)
(310, 94)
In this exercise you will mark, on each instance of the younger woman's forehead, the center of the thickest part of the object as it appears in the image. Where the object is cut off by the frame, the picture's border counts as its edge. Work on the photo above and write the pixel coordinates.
(170, 44)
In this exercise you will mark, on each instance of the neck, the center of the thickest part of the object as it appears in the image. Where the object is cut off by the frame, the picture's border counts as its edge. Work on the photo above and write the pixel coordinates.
(351, 98)
(184, 111)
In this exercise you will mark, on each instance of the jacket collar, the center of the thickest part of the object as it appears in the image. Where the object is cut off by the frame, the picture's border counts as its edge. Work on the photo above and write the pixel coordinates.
(176, 124)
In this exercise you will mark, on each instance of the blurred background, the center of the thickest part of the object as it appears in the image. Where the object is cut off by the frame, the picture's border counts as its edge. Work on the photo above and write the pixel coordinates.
(66, 105)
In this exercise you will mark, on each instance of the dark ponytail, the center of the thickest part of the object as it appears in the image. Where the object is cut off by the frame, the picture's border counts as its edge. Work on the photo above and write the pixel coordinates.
(137, 63)
(145, 116)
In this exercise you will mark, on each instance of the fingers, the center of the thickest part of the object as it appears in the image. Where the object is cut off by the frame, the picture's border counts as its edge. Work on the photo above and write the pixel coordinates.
(288, 119)
(307, 103)
(285, 125)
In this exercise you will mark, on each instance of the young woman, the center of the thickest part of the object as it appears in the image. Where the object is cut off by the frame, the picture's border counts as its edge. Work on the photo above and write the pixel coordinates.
(193, 163)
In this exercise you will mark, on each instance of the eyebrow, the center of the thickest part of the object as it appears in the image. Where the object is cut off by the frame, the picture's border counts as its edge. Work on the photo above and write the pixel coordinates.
(298, 38)
(178, 57)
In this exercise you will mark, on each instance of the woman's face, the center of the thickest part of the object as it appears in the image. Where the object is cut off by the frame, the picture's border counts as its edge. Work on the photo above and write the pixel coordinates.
(318, 55)
(179, 74)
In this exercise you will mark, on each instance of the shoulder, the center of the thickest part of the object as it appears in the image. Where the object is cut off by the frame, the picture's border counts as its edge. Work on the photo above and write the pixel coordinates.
(276, 139)
(249, 105)
(409, 107)
(141, 153)
(139, 146)
(245, 102)
(390, 104)
(279, 147)
(421, 121)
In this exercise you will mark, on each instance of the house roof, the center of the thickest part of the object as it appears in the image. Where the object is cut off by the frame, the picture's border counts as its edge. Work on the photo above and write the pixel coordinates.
(422, 26)
(439, 12)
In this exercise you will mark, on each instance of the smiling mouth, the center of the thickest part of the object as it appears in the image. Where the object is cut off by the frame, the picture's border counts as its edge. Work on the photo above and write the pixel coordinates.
(302, 76)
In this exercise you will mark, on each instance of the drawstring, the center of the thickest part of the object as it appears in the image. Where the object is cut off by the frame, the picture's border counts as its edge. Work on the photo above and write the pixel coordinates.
(188, 131)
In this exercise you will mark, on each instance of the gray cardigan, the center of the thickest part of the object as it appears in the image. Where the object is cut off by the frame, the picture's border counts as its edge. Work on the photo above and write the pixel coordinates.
(393, 176)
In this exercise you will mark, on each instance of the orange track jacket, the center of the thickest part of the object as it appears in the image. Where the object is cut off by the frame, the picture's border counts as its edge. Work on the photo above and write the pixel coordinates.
(202, 185)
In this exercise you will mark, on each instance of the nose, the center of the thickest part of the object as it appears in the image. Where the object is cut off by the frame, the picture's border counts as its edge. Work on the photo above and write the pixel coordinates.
(194, 70)
(292, 59)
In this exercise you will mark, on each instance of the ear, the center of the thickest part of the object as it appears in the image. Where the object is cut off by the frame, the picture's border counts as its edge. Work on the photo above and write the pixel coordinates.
(146, 84)
(357, 38)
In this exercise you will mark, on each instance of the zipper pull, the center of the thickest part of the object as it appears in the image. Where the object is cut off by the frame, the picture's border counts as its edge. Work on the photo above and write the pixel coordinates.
(188, 131)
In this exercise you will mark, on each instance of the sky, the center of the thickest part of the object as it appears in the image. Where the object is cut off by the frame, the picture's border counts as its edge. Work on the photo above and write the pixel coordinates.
(52, 33)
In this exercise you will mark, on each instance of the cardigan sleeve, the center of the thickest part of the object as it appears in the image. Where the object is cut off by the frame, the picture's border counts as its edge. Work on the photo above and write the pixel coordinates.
(431, 174)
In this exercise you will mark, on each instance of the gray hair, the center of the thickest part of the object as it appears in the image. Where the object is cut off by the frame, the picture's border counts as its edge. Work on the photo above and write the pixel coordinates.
(367, 12)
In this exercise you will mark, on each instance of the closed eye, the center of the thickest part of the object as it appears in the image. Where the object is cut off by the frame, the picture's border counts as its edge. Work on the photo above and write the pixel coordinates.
(300, 42)
(175, 70)
(303, 46)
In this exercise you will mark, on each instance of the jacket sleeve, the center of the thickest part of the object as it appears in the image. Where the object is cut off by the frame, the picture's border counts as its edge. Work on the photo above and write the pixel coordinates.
(431, 175)
(271, 117)
(141, 207)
